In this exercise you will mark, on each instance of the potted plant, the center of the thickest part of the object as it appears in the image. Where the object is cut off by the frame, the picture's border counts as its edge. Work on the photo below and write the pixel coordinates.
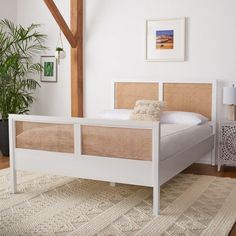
(60, 54)
(18, 47)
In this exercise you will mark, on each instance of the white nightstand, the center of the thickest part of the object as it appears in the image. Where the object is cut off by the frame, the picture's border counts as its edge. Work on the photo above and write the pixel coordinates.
(227, 144)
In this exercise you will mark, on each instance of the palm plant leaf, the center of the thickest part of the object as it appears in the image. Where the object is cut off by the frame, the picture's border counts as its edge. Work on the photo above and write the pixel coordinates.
(18, 46)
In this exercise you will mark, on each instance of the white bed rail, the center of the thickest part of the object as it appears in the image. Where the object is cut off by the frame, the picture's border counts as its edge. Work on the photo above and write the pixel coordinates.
(117, 170)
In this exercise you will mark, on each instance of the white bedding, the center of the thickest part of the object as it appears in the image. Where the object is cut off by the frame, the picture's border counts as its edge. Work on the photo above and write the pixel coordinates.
(175, 138)
(116, 114)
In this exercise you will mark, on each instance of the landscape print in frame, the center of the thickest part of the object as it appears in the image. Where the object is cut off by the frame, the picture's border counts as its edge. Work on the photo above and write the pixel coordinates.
(165, 40)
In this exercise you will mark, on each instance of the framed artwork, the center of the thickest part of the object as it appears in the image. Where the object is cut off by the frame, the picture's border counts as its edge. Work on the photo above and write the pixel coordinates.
(49, 72)
(165, 40)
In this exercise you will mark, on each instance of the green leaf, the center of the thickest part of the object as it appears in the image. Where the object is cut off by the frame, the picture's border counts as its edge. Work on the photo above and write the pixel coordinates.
(18, 46)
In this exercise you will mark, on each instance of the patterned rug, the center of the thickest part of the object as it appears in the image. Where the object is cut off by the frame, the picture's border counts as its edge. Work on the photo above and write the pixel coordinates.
(56, 205)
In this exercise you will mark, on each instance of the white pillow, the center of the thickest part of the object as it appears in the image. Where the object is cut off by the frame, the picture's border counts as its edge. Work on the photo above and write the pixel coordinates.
(116, 114)
(181, 117)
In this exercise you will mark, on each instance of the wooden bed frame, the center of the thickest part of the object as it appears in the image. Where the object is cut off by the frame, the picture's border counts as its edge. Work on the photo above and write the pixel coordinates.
(118, 170)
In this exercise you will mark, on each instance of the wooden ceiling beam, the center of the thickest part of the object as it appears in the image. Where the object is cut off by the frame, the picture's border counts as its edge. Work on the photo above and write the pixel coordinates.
(61, 22)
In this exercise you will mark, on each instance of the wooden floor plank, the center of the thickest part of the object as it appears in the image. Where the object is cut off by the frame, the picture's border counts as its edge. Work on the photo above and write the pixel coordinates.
(200, 169)
(4, 162)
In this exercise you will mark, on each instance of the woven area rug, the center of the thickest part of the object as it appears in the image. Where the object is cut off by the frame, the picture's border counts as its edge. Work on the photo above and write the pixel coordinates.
(56, 205)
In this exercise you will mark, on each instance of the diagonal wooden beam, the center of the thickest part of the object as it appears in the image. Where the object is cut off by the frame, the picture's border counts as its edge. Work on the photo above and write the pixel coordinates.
(61, 22)
(75, 38)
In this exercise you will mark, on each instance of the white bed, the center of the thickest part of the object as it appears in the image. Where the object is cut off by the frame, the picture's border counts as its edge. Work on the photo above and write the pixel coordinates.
(169, 155)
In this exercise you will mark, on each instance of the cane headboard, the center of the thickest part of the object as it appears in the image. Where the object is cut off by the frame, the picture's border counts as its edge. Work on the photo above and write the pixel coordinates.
(192, 97)
(127, 93)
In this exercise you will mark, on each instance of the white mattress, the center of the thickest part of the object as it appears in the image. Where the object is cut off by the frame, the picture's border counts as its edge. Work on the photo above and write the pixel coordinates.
(116, 114)
(176, 138)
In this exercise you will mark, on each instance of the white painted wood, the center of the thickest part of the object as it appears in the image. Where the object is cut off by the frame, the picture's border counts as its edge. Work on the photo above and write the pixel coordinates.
(218, 165)
(77, 140)
(156, 169)
(214, 119)
(85, 121)
(88, 167)
(12, 135)
(161, 91)
(157, 79)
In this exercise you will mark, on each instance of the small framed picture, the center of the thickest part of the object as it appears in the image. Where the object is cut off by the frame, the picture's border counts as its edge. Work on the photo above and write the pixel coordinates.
(165, 40)
(49, 71)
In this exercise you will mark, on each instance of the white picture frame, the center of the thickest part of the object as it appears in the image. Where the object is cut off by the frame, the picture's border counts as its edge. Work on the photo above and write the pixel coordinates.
(165, 39)
(49, 71)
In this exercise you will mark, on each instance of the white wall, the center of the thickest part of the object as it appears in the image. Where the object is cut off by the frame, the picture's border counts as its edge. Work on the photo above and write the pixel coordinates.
(8, 9)
(115, 43)
(52, 98)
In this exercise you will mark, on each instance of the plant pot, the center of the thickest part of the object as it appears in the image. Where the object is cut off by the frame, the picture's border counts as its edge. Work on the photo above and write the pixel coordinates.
(4, 138)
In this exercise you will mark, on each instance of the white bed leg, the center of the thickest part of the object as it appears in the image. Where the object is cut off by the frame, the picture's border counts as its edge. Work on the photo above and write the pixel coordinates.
(13, 179)
(155, 169)
(213, 157)
(156, 200)
(112, 184)
(219, 165)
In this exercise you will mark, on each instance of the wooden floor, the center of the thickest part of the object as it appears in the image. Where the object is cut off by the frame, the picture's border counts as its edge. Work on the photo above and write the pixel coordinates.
(201, 169)
(4, 162)
(194, 169)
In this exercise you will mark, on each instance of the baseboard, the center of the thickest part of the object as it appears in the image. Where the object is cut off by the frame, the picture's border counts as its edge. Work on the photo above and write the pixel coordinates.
(205, 160)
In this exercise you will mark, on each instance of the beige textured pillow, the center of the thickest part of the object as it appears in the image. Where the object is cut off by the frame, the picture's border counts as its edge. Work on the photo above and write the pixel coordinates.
(148, 110)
